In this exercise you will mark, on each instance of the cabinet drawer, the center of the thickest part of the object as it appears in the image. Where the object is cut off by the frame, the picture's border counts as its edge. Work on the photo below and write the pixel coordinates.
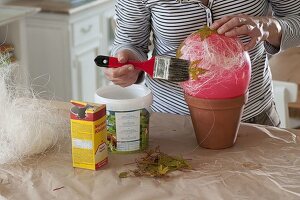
(85, 30)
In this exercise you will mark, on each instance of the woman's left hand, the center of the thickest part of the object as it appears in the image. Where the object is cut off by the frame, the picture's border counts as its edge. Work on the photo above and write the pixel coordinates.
(257, 28)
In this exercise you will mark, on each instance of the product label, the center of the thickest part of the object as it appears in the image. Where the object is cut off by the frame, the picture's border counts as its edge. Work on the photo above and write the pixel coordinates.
(128, 130)
(128, 126)
(83, 144)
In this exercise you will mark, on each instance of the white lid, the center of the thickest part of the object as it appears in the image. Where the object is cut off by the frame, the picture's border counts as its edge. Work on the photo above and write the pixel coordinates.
(117, 98)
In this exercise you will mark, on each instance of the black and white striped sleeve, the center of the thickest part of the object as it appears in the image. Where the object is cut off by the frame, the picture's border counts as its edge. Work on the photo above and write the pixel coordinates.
(287, 14)
(132, 27)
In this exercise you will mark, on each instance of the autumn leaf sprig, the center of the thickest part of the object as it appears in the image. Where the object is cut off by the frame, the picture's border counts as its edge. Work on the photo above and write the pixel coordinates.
(156, 164)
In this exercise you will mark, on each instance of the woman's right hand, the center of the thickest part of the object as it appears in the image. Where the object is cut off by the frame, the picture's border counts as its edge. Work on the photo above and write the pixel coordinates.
(125, 75)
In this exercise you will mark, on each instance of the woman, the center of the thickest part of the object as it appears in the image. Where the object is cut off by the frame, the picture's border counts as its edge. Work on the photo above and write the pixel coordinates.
(171, 21)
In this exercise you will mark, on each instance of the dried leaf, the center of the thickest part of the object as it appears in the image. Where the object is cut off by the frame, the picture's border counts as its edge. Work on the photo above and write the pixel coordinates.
(156, 164)
(205, 32)
(123, 175)
(162, 170)
(195, 71)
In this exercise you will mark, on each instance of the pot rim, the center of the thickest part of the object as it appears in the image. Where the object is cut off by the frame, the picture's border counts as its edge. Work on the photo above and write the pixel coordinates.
(216, 104)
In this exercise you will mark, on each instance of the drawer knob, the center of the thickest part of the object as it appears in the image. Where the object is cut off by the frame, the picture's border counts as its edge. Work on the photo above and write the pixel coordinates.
(86, 30)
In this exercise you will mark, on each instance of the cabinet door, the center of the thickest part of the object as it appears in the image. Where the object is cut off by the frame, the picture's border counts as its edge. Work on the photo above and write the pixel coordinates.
(84, 75)
(48, 58)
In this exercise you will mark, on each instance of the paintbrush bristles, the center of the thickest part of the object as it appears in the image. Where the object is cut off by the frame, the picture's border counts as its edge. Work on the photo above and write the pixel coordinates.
(179, 70)
(172, 69)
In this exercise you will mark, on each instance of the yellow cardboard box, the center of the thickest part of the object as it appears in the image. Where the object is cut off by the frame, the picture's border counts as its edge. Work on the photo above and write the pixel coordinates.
(88, 132)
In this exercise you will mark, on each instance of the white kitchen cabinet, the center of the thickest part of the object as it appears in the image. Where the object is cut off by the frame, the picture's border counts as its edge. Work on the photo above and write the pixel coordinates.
(62, 48)
(13, 31)
(84, 78)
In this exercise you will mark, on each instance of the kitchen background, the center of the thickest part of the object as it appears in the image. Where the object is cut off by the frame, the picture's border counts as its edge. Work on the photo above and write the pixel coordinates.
(57, 45)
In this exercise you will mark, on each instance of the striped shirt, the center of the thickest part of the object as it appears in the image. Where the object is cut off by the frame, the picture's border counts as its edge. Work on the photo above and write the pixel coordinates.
(171, 21)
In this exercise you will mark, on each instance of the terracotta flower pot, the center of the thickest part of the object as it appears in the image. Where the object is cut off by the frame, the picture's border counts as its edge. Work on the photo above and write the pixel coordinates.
(216, 121)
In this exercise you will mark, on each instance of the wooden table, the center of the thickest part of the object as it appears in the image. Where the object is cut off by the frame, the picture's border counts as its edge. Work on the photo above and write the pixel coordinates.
(263, 164)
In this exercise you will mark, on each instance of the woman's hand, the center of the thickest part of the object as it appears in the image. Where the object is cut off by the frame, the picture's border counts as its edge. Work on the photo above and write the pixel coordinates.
(125, 75)
(257, 28)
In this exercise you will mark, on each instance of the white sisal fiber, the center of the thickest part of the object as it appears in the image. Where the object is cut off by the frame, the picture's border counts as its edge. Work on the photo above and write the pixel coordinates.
(27, 125)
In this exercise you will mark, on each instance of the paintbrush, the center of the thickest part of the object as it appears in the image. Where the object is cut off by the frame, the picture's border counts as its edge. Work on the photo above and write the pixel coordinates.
(160, 67)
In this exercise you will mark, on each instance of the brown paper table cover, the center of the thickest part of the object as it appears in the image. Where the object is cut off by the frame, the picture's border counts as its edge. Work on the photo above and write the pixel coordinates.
(263, 164)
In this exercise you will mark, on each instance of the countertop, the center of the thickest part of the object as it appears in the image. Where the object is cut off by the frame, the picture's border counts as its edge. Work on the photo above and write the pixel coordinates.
(263, 164)
(11, 13)
(63, 7)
